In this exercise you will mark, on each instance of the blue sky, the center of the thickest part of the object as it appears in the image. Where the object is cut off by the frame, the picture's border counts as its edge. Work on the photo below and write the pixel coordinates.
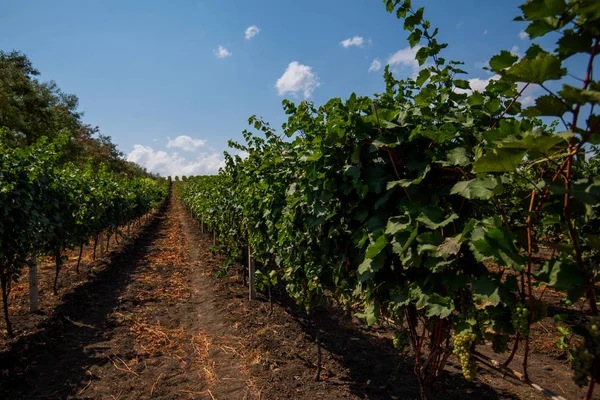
(171, 82)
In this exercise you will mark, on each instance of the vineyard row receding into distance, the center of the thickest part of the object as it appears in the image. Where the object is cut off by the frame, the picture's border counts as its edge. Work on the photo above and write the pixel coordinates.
(430, 206)
(53, 207)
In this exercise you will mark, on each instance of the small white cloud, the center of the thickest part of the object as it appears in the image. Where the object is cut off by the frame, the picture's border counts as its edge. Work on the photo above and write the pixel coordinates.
(485, 32)
(405, 59)
(173, 164)
(357, 41)
(221, 52)
(185, 143)
(297, 78)
(375, 65)
(251, 31)
(523, 35)
(460, 24)
(515, 50)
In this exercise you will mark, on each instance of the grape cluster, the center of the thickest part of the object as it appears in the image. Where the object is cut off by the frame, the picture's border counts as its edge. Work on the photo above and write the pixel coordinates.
(500, 343)
(585, 355)
(582, 362)
(520, 319)
(400, 339)
(463, 342)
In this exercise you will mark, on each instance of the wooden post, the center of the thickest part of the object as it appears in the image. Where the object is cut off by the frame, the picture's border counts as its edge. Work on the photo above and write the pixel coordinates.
(33, 286)
(101, 239)
(252, 290)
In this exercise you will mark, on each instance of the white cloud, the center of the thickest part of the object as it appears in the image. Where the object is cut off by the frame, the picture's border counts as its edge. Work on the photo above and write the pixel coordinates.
(221, 52)
(485, 32)
(527, 100)
(523, 35)
(251, 31)
(529, 94)
(515, 50)
(357, 41)
(405, 58)
(375, 65)
(477, 84)
(297, 78)
(185, 143)
(173, 164)
(460, 24)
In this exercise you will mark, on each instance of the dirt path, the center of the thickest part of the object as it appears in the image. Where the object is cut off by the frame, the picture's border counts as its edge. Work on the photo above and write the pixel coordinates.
(143, 327)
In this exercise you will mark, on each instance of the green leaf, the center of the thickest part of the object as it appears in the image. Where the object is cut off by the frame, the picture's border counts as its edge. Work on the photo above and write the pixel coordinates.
(438, 306)
(573, 42)
(476, 99)
(536, 9)
(415, 37)
(497, 244)
(376, 247)
(539, 28)
(478, 188)
(462, 84)
(370, 314)
(397, 224)
(534, 141)
(434, 217)
(486, 292)
(542, 68)
(315, 156)
(575, 95)
(450, 246)
(458, 156)
(563, 275)
(499, 160)
(424, 74)
(547, 105)
(355, 159)
(503, 60)
(422, 55)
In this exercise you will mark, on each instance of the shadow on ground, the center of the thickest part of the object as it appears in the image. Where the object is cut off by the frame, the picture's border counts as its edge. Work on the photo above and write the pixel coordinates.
(52, 362)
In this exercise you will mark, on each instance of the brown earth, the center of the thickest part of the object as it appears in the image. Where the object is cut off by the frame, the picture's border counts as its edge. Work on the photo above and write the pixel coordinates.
(151, 321)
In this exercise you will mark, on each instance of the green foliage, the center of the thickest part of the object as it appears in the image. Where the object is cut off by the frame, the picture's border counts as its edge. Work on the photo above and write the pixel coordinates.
(401, 204)
(47, 206)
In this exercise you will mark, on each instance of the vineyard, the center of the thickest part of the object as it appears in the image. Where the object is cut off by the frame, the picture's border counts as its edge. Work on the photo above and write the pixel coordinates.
(446, 212)
(48, 208)
(429, 241)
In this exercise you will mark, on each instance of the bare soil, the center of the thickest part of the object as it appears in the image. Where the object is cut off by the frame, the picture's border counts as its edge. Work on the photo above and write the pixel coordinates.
(151, 320)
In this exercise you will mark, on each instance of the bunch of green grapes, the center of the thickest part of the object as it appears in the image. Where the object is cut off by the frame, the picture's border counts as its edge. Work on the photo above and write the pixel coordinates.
(400, 339)
(582, 362)
(520, 319)
(499, 343)
(463, 342)
(585, 355)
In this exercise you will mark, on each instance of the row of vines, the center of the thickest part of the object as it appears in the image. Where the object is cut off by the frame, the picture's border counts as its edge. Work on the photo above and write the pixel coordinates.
(429, 204)
(47, 206)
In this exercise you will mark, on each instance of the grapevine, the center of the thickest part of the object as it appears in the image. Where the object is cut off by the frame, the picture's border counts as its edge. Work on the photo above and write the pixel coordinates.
(397, 204)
